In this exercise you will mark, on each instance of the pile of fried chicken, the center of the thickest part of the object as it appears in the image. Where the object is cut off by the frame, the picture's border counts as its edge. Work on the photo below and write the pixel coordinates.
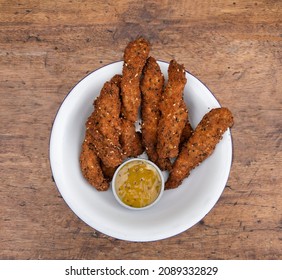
(166, 134)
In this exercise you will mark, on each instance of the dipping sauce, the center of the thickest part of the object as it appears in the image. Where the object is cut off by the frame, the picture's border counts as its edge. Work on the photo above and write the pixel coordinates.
(138, 183)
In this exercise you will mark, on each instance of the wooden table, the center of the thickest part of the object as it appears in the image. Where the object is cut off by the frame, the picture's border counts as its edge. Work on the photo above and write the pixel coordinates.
(234, 47)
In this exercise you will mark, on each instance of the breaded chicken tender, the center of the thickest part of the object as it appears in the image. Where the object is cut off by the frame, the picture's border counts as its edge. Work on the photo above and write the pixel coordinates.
(151, 89)
(174, 113)
(152, 85)
(200, 145)
(131, 140)
(135, 55)
(90, 165)
(104, 125)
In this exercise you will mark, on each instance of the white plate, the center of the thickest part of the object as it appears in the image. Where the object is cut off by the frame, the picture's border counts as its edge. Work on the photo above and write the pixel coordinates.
(178, 210)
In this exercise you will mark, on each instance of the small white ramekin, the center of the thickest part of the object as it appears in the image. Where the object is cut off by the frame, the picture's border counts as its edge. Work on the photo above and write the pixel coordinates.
(147, 206)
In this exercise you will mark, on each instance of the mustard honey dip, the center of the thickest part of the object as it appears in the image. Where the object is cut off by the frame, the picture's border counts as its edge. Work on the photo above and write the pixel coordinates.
(138, 184)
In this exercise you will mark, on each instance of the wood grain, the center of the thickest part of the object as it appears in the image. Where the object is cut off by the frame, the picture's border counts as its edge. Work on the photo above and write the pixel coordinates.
(234, 47)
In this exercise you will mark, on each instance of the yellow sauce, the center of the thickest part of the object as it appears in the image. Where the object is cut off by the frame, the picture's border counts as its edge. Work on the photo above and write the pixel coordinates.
(138, 184)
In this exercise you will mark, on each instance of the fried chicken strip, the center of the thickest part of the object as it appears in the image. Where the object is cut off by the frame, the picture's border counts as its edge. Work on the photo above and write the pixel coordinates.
(174, 113)
(151, 89)
(135, 55)
(104, 125)
(130, 139)
(200, 145)
(90, 165)
(151, 86)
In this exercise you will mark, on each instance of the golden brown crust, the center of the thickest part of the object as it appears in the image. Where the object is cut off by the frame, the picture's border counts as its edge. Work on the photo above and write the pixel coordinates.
(200, 145)
(90, 165)
(151, 88)
(135, 55)
(174, 113)
(131, 140)
(105, 126)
